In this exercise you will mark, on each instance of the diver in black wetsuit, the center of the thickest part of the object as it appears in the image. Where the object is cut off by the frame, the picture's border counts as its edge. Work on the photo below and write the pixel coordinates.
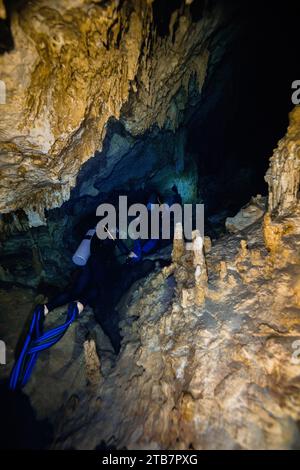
(102, 281)
(94, 286)
(100, 284)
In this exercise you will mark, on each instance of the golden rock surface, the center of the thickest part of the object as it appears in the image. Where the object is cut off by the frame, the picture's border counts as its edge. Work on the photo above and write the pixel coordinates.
(222, 373)
(75, 64)
(2, 10)
(283, 176)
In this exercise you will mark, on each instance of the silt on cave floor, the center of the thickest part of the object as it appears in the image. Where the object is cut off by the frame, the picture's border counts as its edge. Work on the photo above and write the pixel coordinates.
(125, 98)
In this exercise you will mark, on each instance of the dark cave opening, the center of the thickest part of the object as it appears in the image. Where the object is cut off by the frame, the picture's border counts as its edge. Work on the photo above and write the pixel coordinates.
(6, 37)
(162, 12)
(232, 138)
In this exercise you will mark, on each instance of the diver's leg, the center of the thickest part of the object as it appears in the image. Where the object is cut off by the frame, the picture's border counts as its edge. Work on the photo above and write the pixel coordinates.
(108, 318)
(72, 293)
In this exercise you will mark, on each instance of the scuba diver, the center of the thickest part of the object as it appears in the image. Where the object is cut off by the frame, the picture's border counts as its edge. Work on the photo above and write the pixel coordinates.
(100, 277)
(93, 286)
(100, 283)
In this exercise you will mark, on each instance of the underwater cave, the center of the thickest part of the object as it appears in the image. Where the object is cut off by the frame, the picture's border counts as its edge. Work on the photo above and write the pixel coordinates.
(184, 344)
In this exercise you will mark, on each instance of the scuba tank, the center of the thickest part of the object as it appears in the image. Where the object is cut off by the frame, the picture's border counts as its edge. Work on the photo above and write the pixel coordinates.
(83, 251)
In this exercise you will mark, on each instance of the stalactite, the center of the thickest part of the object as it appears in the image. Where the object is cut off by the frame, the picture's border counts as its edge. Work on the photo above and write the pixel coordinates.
(283, 176)
(75, 66)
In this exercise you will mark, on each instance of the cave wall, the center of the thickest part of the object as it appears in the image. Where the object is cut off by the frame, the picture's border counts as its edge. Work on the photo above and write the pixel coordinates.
(283, 175)
(206, 372)
(126, 165)
(96, 102)
(165, 119)
(76, 64)
(217, 370)
(203, 365)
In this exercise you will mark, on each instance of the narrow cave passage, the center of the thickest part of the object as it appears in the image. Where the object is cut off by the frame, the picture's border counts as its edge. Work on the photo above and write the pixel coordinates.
(232, 137)
(212, 146)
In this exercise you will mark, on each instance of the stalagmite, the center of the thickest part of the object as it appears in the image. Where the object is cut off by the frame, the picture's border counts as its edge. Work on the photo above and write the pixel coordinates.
(92, 363)
(198, 255)
(178, 244)
(201, 270)
(273, 232)
(223, 270)
(207, 244)
(243, 252)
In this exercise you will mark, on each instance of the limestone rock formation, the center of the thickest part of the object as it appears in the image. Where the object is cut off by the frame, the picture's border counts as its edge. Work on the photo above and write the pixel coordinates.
(283, 176)
(76, 64)
(218, 370)
(247, 215)
(73, 365)
(209, 356)
(2, 10)
(218, 375)
(92, 362)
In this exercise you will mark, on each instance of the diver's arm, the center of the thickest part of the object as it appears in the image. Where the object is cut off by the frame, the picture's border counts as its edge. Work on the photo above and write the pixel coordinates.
(122, 247)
